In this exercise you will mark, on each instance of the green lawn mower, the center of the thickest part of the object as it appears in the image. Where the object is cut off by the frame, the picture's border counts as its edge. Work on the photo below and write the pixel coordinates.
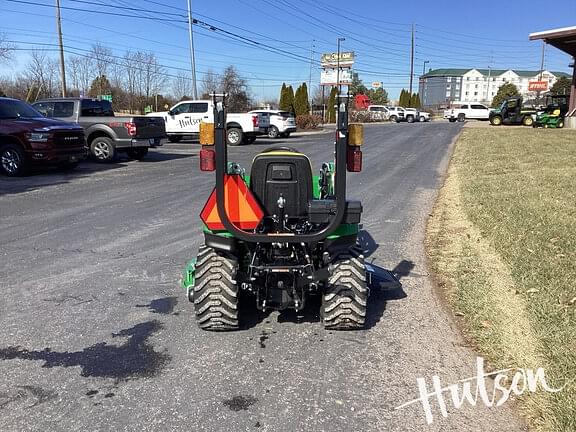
(279, 233)
(553, 115)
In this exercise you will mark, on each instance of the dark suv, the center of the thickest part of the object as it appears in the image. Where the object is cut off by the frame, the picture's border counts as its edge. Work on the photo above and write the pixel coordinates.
(27, 138)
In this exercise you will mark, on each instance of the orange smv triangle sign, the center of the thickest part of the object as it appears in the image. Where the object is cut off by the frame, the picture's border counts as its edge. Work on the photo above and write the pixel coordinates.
(241, 207)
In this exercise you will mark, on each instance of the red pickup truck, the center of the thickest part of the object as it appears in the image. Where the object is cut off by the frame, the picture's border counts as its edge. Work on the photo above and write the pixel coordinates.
(27, 138)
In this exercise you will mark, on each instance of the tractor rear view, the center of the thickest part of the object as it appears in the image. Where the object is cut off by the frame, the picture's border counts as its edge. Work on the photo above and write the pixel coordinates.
(279, 233)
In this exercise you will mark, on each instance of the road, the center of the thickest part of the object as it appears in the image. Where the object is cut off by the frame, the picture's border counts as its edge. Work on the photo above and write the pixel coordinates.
(98, 335)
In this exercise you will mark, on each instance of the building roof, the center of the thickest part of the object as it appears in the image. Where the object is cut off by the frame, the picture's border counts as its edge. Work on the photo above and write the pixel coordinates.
(493, 72)
(563, 38)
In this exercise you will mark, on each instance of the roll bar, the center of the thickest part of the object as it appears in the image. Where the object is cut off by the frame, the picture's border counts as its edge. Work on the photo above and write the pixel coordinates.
(222, 163)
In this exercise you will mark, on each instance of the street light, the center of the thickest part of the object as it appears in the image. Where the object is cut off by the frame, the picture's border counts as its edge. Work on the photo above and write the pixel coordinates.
(424, 66)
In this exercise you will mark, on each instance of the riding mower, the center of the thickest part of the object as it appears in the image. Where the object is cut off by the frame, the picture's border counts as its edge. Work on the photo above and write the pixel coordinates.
(279, 233)
(553, 115)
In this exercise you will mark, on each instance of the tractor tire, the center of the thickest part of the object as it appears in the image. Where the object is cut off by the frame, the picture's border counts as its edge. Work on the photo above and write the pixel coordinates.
(102, 149)
(461, 117)
(174, 138)
(215, 293)
(137, 153)
(234, 136)
(496, 121)
(273, 132)
(346, 296)
(527, 121)
(560, 124)
(13, 160)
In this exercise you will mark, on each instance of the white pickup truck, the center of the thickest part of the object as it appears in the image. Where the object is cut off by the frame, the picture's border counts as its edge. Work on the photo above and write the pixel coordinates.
(461, 112)
(184, 119)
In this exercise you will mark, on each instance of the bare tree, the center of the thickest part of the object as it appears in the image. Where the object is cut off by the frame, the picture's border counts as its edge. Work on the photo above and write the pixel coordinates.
(181, 85)
(102, 58)
(42, 72)
(81, 71)
(237, 89)
(6, 48)
(131, 67)
(210, 83)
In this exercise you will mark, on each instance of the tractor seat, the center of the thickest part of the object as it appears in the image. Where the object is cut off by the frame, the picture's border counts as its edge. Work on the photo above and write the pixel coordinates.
(282, 172)
(556, 112)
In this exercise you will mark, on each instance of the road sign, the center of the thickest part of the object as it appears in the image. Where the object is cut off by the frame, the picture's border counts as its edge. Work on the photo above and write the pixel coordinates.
(330, 76)
(107, 97)
(376, 84)
(241, 207)
(331, 59)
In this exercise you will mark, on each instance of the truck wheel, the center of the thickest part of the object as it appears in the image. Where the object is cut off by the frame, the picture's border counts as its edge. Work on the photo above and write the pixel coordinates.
(234, 136)
(13, 161)
(461, 117)
(102, 149)
(422, 119)
(527, 121)
(394, 119)
(174, 138)
(137, 153)
(273, 132)
(215, 293)
(410, 119)
(345, 299)
(496, 121)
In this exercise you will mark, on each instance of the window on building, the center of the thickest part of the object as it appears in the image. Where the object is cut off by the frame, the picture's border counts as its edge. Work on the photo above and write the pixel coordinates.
(467, 78)
(449, 79)
(476, 86)
(477, 79)
(466, 93)
(448, 87)
(475, 93)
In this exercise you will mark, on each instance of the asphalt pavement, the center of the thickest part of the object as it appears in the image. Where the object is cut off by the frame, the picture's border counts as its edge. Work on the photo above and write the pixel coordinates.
(98, 335)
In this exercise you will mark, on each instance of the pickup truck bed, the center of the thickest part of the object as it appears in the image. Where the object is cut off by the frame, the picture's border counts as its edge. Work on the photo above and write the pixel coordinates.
(106, 134)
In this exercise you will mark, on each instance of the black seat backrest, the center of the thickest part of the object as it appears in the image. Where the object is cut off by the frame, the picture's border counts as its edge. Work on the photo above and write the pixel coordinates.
(283, 172)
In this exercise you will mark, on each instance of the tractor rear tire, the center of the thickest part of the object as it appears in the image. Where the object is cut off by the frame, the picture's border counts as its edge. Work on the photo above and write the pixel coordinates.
(346, 296)
(215, 293)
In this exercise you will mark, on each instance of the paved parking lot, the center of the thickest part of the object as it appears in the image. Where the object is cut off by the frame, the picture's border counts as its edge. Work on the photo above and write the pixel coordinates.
(98, 335)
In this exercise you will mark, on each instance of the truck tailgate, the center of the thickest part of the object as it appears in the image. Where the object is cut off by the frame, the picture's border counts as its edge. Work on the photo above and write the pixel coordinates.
(149, 127)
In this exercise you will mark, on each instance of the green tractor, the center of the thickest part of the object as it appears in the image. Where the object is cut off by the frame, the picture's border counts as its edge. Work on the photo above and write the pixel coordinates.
(553, 115)
(510, 112)
(279, 233)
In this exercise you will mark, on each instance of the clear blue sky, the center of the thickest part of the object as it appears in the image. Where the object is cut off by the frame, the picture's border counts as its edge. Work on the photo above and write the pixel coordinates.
(270, 41)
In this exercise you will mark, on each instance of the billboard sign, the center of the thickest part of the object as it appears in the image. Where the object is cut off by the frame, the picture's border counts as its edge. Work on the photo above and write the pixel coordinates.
(537, 86)
(376, 84)
(331, 59)
(330, 76)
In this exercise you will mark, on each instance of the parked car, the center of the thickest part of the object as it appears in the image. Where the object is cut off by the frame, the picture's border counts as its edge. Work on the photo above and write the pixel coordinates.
(28, 138)
(412, 114)
(106, 134)
(461, 112)
(184, 119)
(282, 123)
(396, 114)
(378, 112)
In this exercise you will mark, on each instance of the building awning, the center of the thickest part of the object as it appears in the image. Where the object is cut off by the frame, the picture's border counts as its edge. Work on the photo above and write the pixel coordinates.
(563, 38)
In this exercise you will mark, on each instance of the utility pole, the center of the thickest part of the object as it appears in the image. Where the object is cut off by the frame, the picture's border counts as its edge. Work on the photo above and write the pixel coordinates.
(488, 83)
(192, 55)
(62, 66)
(310, 75)
(411, 59)
(541, 69)
(338, 67)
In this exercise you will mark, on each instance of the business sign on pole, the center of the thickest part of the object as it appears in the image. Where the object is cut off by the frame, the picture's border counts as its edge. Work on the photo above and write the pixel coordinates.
(376, 84)
(330, 77)
(537, 86)
(331, 59)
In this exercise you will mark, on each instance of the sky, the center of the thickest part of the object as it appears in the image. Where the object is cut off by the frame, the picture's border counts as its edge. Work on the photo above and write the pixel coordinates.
(274, 41)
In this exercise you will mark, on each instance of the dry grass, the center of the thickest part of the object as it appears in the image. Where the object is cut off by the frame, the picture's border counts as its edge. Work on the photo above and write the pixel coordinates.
(502, 240)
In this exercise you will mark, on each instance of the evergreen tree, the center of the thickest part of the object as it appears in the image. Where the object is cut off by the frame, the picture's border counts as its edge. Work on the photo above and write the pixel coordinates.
(561, 86)
(331, 103)
(402, 99)
(356, 86)
(289, 99)
(378, 96)
(100, 86)
(301, 103)
(416, 101)
(305, 99)
(282, 100)
(505, 91)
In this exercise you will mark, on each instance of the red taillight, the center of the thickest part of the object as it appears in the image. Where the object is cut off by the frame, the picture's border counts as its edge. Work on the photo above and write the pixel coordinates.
(207, 160)
(255, 120)
(353, 159)
(131, 128)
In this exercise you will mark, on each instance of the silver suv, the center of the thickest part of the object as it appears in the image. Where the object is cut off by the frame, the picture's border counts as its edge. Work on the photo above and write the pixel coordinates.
(282, 123)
